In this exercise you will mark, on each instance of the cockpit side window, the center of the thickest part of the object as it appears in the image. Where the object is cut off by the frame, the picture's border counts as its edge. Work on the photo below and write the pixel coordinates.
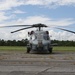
(46, 36)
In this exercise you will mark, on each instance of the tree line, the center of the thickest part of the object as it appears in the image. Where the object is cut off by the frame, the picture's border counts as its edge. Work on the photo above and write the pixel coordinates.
(64, 43)
(24, 42)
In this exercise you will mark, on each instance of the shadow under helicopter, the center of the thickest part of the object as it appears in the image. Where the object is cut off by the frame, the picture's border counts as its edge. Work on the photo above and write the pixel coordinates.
(40, 52)
(53, 53)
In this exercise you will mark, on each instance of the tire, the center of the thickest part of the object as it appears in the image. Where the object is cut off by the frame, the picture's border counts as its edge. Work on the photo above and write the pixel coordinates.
(28, 50)
(50, 50)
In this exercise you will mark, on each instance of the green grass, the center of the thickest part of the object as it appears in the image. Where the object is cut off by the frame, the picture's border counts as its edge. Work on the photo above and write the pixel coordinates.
(12, 48)
(63, 48)
(23, 48)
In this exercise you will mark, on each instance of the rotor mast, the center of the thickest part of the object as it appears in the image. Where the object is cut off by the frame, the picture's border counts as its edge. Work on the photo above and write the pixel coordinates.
(39, 28)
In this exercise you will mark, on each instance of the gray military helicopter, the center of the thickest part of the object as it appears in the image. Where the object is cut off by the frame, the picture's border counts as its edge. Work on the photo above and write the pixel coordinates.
(39, 40)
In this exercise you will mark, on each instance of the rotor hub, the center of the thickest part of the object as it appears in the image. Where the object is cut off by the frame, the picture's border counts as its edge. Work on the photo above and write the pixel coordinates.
(39, 25)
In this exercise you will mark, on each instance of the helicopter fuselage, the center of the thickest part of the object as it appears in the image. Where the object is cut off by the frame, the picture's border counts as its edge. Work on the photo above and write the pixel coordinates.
(39, 42)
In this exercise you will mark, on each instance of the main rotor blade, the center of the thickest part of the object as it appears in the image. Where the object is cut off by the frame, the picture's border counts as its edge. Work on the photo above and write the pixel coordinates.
(21, 29)
(66, 30)
(15, 26)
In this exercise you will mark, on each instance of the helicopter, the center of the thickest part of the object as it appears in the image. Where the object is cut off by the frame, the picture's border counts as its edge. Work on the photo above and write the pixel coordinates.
(39, 40)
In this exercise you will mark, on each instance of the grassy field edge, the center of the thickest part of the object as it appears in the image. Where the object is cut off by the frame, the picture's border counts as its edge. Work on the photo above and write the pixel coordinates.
(23, 48)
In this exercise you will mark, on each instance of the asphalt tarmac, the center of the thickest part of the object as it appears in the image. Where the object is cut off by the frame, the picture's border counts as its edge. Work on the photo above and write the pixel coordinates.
(20, 63)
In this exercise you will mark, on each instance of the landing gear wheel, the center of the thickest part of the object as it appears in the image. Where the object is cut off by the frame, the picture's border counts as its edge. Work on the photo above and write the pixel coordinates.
(50, 50)
(28, 50)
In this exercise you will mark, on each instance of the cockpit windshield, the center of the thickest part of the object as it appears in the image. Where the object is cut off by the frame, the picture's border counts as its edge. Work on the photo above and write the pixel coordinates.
(33, 37)
(46, 37)
(40, 36)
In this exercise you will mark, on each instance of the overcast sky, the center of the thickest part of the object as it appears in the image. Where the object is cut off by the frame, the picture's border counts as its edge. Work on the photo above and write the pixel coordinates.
(59, 13)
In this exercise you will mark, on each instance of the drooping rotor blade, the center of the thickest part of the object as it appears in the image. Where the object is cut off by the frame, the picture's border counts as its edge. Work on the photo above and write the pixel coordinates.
(34, 25)
(66, 30)
(21, 29)
(15, 26)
